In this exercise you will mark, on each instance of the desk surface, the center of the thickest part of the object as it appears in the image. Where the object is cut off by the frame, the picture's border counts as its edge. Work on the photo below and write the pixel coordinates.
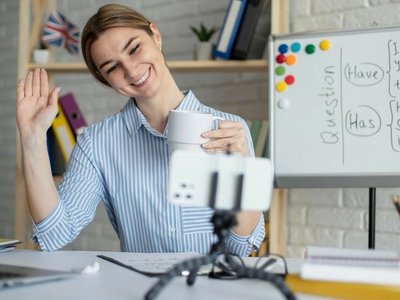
(115, 282)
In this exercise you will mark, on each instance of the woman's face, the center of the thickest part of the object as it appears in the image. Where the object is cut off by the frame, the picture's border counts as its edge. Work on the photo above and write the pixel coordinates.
(130, 60)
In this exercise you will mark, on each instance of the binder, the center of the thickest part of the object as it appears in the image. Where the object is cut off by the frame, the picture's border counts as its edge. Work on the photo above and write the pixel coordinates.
(73, 113)
(56, 157)
(63, 133)
(247, 29)
(227, 35)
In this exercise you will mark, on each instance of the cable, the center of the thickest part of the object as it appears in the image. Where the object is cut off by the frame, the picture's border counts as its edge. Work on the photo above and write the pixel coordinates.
(193, 265)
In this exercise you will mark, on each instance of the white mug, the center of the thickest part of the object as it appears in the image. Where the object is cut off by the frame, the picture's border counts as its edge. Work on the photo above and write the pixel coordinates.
(185, 129)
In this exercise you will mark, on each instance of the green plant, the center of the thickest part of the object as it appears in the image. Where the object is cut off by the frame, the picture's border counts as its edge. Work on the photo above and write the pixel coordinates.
(42, 45)
(203, 33)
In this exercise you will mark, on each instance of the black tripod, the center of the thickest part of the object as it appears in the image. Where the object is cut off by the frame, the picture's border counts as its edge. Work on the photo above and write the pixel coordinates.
(222, 220)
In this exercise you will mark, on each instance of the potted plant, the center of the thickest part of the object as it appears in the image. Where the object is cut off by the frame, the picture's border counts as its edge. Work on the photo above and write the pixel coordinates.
(204, 34)
(41, 53)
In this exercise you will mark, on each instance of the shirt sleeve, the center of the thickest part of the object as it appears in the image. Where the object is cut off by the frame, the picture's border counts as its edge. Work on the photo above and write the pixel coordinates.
(244, 245)
(79, 194)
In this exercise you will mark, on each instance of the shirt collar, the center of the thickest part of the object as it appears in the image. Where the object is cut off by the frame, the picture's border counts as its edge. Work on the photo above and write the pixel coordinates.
(134, 118)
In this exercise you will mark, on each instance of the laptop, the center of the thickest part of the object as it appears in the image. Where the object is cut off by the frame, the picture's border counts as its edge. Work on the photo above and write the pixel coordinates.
(13, 276)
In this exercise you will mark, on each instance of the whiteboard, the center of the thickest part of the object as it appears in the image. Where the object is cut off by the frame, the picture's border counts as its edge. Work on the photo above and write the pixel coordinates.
(335, 111)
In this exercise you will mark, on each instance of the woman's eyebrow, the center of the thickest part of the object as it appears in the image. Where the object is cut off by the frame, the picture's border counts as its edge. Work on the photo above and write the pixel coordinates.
(128, 43)
(123, 49)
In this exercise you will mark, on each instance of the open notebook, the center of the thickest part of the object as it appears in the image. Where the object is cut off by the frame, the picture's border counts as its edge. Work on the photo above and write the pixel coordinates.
(13, 276)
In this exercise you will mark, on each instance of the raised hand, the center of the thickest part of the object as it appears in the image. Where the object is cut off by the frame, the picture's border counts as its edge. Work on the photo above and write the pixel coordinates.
(230, 136)
(36, 108)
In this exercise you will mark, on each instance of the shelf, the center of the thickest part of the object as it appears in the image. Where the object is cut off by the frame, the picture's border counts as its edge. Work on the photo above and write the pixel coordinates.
(176, 65)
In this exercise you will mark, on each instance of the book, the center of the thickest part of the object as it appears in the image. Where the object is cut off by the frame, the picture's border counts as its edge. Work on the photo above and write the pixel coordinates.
(262, 139)
(73, 113)
(351, 265)
(255, 131)
(63, 133)
(7, 245)
(342, 290)
(228, 33)
(247, 29)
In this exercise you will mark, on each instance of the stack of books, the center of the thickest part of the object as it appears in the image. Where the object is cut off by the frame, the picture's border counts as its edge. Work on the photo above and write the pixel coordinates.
(8, 245)
(351, 265)
(61, 137)
(238, 29)
(351, 274)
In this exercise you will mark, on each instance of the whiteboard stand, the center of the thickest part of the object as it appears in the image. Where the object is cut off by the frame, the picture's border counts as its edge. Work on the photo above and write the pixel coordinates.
(371, 225)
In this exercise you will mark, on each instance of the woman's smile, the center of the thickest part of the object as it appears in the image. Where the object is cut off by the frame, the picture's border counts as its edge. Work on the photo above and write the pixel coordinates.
(142, 80)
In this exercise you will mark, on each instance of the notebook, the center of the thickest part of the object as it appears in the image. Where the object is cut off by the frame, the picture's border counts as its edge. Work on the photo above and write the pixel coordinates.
(13, 276)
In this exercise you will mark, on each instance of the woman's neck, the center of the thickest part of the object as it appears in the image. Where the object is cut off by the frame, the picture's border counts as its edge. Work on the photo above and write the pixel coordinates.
(156, 109)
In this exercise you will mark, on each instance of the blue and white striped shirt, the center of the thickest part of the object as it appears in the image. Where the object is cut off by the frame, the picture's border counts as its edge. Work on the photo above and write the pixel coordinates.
(124, 162)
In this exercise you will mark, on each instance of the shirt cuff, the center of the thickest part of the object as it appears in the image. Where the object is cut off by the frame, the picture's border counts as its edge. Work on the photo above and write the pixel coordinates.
(47, 232)
(244, 245)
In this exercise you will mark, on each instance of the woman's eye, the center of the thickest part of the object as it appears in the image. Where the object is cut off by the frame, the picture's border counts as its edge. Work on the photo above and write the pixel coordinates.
(133, 50)
(112, 69)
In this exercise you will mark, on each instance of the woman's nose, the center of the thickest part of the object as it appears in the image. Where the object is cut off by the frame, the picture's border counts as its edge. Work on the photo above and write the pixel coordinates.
(130, 70)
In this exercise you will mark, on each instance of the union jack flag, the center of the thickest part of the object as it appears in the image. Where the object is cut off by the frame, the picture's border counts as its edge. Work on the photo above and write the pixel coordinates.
(60, 32)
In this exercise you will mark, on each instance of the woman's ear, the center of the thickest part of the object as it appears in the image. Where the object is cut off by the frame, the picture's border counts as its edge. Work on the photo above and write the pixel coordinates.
(156, 35)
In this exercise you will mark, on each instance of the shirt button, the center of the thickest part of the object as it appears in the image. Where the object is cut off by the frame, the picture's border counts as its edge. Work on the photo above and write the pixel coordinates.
(172, 229)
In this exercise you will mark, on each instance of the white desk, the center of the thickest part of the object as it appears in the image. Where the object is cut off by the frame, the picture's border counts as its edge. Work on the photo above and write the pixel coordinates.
(113, 282)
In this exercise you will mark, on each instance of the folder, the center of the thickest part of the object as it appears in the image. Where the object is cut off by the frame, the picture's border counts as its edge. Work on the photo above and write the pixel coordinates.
(73, 113)
(227, 35)
(56, 157)
(63, 133)
(247, 29)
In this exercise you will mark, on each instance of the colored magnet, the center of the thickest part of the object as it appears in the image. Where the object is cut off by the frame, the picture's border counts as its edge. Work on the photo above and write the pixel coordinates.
(281, 86)
(295, 47)
(289, 79)
(310, 49)
(283, 103)
(325, 45)
(280, 70)
(291, 59)
(283, 48)
(280, 59)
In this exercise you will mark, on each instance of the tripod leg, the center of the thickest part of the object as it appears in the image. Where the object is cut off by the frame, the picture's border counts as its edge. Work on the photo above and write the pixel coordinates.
(191, 277)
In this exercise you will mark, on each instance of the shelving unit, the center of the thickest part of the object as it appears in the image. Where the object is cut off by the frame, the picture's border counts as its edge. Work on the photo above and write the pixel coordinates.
(177, 66)
(29, 31)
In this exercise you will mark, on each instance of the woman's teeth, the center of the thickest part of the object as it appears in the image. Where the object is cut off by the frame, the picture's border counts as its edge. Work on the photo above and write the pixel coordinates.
(143, 78)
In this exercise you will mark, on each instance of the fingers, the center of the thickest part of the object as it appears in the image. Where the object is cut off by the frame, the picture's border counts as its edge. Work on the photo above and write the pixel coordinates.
(226, 129)
(28, 84)
(36, 83)
(53, 99)
(20, 90)
(231, 136)
(44, 83)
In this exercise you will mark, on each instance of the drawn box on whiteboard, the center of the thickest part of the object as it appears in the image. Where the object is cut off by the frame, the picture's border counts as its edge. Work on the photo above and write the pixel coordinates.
(335, 108)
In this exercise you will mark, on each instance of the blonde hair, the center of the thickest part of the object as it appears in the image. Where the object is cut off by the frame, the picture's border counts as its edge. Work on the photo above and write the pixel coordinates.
(109, 16)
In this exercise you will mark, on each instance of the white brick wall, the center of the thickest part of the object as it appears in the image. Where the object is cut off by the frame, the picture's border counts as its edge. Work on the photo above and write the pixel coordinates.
(8, 64)
(339, 217)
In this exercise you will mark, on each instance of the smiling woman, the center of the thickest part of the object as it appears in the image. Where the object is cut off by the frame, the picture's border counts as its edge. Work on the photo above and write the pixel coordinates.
(123, 160)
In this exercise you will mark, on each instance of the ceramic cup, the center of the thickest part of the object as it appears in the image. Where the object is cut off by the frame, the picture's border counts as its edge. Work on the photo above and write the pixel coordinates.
(185, 129)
